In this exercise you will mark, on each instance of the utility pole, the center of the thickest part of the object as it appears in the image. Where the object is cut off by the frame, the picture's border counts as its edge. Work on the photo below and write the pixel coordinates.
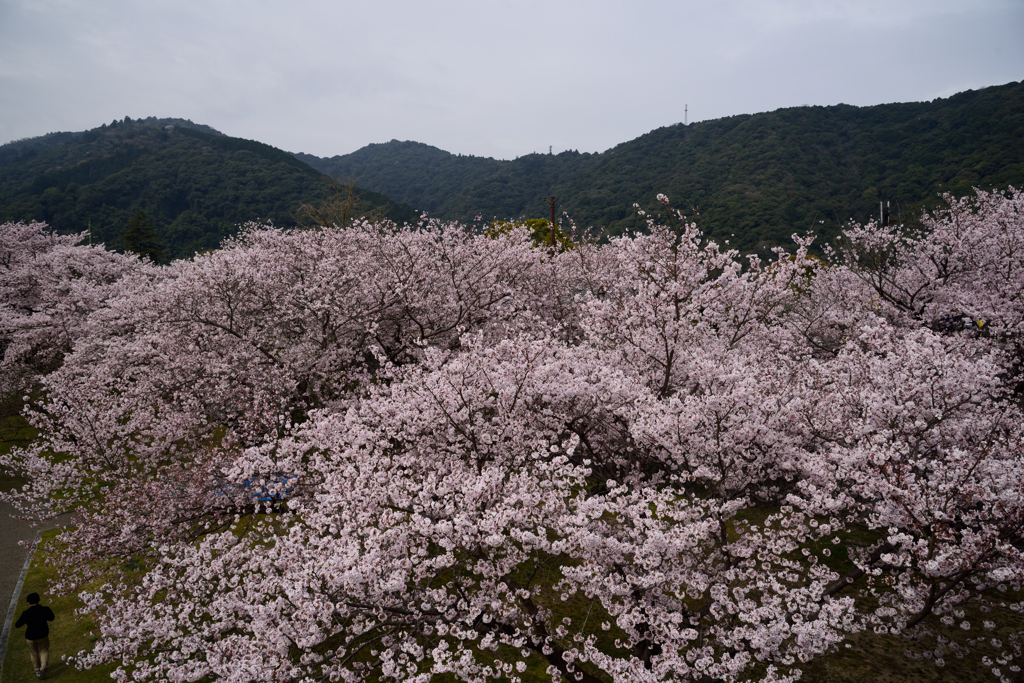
(552, 226)
(883, 214)
(686, 112)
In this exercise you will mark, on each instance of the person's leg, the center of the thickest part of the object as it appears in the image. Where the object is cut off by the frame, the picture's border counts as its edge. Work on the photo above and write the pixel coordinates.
(43, 645)
(33, 652)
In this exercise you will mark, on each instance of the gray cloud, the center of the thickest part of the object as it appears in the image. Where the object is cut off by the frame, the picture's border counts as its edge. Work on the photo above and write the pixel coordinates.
(488, 78)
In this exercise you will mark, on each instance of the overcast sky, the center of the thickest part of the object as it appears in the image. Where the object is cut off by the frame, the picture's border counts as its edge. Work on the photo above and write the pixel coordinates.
(477, 77)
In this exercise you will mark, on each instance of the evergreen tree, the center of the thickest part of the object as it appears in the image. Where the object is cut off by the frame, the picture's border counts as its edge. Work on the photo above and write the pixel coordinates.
(141, 238)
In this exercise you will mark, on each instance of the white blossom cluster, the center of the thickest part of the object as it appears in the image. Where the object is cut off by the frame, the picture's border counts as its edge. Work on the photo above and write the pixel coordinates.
(381, 453)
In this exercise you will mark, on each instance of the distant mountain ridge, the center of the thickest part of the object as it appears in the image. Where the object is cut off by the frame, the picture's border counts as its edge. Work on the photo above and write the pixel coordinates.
(195, 184)
(750, 179)
(25, 147)
(754, 179)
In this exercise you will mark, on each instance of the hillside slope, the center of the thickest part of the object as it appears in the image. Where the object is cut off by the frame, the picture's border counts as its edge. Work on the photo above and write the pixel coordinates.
(195, 184)
(759, 177)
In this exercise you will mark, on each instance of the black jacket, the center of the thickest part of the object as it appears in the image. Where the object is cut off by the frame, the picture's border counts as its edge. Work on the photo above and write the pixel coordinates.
(35, 617)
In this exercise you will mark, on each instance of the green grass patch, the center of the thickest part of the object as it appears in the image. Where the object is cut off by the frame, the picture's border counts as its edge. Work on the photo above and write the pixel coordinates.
(15, 432)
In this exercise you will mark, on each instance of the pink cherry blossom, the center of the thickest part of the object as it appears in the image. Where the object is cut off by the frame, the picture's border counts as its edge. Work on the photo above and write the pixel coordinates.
(394, 453)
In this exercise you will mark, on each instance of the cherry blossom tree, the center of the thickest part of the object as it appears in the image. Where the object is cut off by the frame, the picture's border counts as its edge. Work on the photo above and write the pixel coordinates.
(960, 271)
(395, 453)
(49, 285)
(226, 351)
(916, 414)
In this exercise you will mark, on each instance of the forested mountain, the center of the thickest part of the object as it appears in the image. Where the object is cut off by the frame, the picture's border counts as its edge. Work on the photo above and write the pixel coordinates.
(194, 184)
(759, 177)
(753, 179)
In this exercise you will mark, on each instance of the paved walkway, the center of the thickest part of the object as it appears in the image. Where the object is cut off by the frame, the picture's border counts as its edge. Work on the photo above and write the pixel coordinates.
(12, 556)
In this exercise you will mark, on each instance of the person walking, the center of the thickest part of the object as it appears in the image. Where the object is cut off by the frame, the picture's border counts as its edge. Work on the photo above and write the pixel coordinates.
(37, 633)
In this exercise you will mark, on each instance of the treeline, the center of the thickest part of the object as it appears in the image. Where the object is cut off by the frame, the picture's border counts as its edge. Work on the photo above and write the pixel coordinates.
(194, 184)
(753, 179)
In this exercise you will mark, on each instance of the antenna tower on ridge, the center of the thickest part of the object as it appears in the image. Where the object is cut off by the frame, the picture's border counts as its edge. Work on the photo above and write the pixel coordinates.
(686, 112)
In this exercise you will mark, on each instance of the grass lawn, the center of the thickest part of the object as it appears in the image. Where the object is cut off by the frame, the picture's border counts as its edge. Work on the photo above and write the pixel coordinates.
(67, 632)
(14, 431)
